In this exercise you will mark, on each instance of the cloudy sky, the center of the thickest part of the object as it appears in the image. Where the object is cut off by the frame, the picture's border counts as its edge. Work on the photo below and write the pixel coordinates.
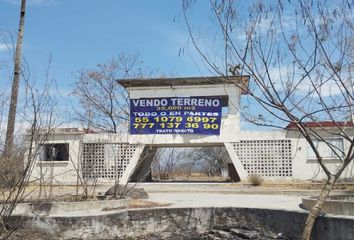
(80, 34)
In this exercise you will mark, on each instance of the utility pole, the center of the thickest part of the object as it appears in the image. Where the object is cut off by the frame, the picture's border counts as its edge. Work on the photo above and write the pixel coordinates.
(11, 119)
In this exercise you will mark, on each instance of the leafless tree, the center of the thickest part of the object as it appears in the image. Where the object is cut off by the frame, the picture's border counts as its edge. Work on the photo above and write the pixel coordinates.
(105, 104)
(213, 158)
(10, 129)
(3, 101)
(87, 180)
(299, 55)
(39, 113)
(167, 161)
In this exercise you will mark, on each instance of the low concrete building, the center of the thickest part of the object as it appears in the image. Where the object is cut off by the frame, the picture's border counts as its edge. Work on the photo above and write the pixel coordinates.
(69, 155)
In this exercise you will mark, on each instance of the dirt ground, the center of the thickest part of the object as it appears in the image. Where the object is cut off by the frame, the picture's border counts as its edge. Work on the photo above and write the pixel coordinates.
(62, 192)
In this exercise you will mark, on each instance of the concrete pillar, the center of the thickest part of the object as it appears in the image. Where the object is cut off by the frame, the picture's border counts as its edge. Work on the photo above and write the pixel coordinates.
(242, 173)
(133, 163)
(144, 165)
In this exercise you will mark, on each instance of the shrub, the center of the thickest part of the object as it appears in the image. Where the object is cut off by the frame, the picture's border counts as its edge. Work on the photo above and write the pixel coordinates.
(11, 170)
(255, 179)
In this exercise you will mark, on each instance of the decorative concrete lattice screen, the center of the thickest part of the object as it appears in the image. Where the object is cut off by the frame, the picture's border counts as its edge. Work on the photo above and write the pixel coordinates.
(269, 158)
(106, 160)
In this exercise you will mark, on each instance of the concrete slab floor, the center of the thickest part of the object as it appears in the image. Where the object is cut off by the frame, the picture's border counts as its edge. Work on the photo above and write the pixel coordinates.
(277, 196)
(202, 199)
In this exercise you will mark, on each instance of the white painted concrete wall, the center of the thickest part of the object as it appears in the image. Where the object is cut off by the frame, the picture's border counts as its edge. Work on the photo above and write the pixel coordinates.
(66, 173)
(59, 172)
(105, 138)
(306, 169)
(303, 168)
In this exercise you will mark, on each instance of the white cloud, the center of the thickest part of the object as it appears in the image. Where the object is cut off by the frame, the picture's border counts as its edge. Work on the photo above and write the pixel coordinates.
(3, 47)
(326, 88)
(42, 2)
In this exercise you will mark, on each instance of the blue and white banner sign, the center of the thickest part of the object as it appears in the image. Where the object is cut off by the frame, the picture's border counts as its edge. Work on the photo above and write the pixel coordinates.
(176, 115)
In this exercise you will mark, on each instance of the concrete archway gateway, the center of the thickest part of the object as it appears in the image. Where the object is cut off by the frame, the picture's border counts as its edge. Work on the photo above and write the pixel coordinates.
(183, 112)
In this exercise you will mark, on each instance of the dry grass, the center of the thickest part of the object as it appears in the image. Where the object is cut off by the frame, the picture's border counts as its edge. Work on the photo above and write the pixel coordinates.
(62, 191)
(194, 177)
(141, 203)
(11, 171)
